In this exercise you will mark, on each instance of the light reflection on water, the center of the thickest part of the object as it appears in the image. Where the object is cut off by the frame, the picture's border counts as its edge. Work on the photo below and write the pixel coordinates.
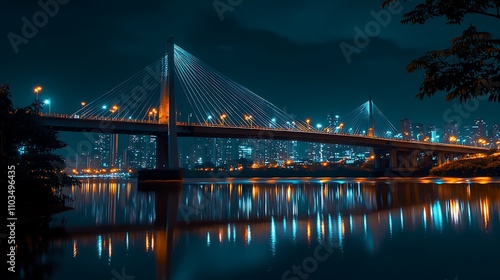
(259, 228)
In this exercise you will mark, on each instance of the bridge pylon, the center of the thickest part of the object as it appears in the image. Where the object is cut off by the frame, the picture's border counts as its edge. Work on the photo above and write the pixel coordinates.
(168, 110)
(167, 150)
(371, 128)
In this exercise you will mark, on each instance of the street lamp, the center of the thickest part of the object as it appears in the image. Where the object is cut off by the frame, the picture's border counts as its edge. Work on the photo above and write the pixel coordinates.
(273, 123)
(222, 118)
(318, 126)
(209, 118)
(104, 107)
(37, 91)
(482, 142)
(114, 109)
(153, 113)
(47, 101)
(83, 103)
(249, 119)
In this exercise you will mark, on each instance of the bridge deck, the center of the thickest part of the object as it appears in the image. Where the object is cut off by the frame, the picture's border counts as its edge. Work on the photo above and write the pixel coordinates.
(198, 130)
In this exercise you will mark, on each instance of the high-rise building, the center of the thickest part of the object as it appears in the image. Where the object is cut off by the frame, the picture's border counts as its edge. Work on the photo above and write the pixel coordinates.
(450, 132)
(292, 150)
(200, 151)
(432, 133)
(405, 129)
(333, 120)
(495, 132)
(225, 150)
(495, 136)
(101, 151)
(467, 135)
(141, 152)
(113, 150)
(479, 130)
(419, 132)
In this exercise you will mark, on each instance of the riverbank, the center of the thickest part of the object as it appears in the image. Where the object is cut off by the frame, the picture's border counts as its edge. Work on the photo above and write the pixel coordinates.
(279, 172)
(485, 166)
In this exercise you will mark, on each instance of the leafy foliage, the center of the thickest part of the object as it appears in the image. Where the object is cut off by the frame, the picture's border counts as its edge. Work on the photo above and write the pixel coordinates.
(470, 68)
(488, 166)
(30, 147)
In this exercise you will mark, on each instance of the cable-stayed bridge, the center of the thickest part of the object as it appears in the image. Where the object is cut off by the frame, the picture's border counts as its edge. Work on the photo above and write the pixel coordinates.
(216, 106)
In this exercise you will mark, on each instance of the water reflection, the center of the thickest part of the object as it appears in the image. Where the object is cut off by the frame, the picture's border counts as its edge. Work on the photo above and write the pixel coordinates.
(197, 231)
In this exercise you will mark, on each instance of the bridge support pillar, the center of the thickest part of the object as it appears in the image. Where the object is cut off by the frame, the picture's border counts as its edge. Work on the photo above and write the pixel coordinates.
(377, 164)
(440, 158)
(413, 158)
(393, 163)
(161, 151)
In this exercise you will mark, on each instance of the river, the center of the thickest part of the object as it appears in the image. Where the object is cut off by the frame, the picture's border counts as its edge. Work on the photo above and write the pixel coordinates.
(290, 228)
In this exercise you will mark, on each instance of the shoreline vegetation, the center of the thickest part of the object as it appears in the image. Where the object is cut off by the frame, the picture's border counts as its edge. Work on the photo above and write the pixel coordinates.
(284, 173)
(36, 174)
(469, 167)
(278, 172)
(472, 167)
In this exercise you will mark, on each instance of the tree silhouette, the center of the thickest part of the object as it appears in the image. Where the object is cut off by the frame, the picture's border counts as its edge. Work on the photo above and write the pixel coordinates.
(470, 68)
(30, 147)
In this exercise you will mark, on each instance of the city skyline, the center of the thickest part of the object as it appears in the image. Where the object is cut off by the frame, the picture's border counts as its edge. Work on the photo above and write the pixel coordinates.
(137, 152)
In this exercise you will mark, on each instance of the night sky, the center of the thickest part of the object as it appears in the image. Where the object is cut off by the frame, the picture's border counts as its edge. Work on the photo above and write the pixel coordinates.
(286, 51)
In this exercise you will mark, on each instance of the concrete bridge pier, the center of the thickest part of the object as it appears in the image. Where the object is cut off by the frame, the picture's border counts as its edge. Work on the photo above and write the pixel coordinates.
(393, 161)
(161, 151)
(440, 158)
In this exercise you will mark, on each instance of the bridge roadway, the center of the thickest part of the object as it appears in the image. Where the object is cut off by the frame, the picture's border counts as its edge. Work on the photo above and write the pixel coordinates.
(199, 130)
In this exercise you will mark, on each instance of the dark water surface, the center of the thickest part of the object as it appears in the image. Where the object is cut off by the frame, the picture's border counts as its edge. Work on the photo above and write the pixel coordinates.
(281, 229)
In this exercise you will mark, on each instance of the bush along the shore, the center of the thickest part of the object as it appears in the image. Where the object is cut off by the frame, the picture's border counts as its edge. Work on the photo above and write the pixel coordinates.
(486, 166)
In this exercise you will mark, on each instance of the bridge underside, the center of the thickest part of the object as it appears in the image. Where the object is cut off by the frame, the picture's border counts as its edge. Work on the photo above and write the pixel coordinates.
(393, 161)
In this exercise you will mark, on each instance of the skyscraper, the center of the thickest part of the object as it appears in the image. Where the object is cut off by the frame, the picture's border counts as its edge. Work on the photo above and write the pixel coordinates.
(141, 152)
(479, 130)
(450, 132)
(405, 129)
(432, 133)
(419, 132)
(101, 151)
(113, 150)
(333, 120)
(495, 132)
